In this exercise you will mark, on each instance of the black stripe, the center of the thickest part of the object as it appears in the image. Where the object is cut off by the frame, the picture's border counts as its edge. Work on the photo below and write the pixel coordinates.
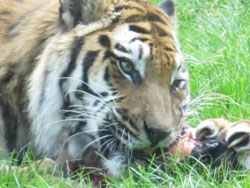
(141, 52)
(106, 75)
(125, 117)
(66, 106)
(105, 143)
(104, 94)
(180, 66)
(76, 48)
(161, 32)
(120, 99)
(78, 128)
(136, 77)
(105, 41)
(96, 103)
(120, 124)
(10, 125)
(121, 48)
(123, 113)
(169, 49)
(87, 63)
(138, 29)
(135, 18)
(155, 18)
(138, 38)
(108, 54)
(122, 7)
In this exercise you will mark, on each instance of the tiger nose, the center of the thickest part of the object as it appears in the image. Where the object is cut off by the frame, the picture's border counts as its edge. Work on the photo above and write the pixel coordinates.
(155, 135)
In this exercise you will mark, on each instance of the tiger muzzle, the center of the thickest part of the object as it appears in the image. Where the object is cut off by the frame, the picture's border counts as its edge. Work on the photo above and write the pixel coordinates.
(155, 135)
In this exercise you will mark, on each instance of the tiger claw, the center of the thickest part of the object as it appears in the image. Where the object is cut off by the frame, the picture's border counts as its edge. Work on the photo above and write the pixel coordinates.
(238, 136)
(238, 141)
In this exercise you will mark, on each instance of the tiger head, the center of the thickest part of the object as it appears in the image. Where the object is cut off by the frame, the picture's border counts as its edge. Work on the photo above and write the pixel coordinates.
(124, 77)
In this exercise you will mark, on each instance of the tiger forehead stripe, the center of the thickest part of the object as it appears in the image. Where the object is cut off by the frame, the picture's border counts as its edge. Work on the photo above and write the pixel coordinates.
(131, 5)
(122, 48)
(138, 29)
(134, 13)
(150, 17)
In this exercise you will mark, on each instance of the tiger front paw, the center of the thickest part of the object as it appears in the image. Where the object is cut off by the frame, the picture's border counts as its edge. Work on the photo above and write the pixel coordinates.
(211, 146)
(232, 139)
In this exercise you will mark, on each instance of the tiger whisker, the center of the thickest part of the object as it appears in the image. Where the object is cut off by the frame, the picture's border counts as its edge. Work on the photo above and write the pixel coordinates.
(130, 144)
(86, 116)
(64, 120)
(96, 140)
(123, 131)
(112, 145)
(109, 141)
(87, 92)
(83, 82)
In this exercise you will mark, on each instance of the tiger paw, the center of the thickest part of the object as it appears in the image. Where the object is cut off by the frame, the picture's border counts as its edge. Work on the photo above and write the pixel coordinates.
(233, 141)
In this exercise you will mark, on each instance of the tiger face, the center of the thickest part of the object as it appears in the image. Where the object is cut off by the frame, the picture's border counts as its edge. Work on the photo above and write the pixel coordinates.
(147, 79)
(108, 78)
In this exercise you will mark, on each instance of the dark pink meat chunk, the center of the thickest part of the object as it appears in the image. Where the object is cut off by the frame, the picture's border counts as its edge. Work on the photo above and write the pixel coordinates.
(185, 144)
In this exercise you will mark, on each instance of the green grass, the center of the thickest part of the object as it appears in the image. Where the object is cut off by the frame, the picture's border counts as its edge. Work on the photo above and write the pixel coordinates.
(215, 40)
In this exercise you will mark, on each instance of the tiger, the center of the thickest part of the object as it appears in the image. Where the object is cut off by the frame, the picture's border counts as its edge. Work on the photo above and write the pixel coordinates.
(90, 76)
(80, 78)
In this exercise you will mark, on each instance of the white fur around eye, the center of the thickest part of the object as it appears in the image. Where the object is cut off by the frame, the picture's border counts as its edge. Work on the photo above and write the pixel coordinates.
(180, 73)
(179, 84)
(137, 51)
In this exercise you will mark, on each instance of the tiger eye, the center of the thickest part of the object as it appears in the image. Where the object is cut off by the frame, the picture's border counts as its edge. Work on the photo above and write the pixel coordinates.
(127, 67)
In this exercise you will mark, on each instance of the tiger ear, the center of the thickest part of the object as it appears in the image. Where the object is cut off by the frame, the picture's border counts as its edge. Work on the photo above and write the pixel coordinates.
(73, 12)
(168, 7)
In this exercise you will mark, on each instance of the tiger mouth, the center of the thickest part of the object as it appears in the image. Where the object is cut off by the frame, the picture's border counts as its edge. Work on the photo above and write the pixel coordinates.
(183, 134)
(158, 150)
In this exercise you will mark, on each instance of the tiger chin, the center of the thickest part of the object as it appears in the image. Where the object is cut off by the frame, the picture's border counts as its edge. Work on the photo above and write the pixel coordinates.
(223, 140)
(90, 76)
